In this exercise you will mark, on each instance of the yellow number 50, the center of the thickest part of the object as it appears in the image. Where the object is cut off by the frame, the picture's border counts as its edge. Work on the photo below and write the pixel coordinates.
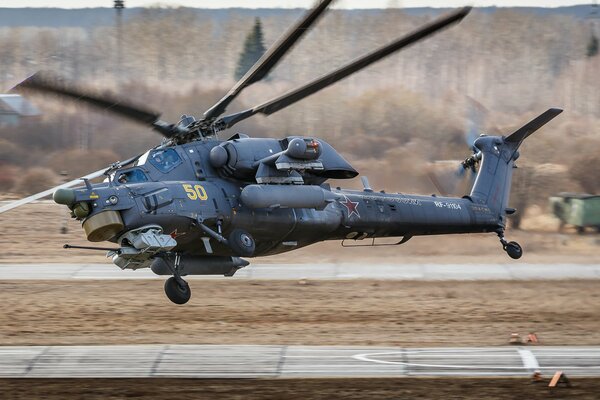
(195, 193)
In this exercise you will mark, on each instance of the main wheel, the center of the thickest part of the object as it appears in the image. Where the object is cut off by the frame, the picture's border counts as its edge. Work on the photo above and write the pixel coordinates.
(242, 243)
(178, 293)
(514, 250)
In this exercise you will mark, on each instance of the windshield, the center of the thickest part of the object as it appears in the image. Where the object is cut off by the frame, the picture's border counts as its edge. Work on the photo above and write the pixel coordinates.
(165, 160)
(132, 176)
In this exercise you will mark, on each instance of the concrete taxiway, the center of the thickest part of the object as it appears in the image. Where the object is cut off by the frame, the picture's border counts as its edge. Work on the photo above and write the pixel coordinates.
(427, 272)
(211, 361)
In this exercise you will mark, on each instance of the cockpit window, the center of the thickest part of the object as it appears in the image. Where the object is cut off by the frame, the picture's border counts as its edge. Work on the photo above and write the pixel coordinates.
(132, 176)
(165, 160)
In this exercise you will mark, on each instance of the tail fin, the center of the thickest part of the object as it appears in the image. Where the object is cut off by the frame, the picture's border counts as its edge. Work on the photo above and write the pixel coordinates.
(492, 185)
(523, 132)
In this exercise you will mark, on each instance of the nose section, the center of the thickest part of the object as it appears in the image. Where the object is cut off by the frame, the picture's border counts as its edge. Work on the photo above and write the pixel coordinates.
(95, 206)
(64, 196)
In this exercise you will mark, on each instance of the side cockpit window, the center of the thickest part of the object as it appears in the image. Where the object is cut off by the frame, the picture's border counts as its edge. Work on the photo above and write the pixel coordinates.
(135, 175)
(165, 160)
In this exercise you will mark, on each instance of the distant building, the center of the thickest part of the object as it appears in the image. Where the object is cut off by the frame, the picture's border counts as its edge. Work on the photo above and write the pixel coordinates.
(14, 109)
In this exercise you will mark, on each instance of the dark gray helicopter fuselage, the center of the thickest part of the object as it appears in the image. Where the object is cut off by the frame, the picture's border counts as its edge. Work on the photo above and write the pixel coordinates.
(190, 189)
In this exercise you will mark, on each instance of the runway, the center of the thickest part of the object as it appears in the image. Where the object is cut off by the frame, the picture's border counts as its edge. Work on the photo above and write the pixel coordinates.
(208, 361)
(424, 272)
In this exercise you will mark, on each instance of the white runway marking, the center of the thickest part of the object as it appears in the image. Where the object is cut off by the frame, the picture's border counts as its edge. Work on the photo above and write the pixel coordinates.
(370, 358)
(529, 360)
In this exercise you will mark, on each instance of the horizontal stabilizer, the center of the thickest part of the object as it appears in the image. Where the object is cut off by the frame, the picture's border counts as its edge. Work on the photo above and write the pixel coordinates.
(522, 133)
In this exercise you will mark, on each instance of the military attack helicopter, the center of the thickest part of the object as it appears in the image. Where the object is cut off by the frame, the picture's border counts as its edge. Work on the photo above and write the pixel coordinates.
(196, 204)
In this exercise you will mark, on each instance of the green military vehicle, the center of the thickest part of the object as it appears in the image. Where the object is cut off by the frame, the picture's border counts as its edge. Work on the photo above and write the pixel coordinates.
(579, 210)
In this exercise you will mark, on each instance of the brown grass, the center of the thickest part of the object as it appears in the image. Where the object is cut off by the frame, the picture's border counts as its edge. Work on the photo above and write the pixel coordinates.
(357, 312)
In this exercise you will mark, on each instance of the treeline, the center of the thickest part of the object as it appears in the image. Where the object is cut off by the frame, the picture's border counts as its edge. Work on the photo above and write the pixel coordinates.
(510, 61)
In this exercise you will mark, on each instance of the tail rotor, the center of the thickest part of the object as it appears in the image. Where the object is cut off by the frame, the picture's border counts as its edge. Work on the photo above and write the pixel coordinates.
(476, 116)
(467, 169)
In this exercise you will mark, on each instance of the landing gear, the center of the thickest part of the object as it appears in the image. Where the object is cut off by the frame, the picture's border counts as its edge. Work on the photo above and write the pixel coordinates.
(513, 249)
(239, 241)
(177, 292)
(242, 243)
(176, 288)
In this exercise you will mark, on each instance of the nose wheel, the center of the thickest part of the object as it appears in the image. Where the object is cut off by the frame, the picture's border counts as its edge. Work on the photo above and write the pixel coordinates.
(176, 288)
(513, 249)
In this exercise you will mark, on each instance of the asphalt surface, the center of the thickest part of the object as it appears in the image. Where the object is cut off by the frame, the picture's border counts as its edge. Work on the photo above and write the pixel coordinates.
(427, 272)
(208, 361)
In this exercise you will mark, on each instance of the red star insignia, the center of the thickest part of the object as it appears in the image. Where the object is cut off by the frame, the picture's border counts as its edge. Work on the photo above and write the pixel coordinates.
(352, 207)
(176, 234)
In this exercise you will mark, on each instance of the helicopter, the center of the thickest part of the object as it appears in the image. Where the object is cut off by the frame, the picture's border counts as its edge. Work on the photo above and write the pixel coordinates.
(199, 205)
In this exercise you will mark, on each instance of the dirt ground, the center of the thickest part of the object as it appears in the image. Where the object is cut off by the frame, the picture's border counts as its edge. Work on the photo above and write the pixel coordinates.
(356, 312)
(373, 389)
(33, 234)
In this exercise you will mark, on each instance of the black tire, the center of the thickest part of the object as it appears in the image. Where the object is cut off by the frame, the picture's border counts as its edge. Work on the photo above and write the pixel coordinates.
(176, 292)
(242, 243)
(580, 229)
(514, 250)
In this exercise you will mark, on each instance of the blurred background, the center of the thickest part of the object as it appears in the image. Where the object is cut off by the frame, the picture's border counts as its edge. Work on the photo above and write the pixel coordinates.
(395, 122)
(405, 122)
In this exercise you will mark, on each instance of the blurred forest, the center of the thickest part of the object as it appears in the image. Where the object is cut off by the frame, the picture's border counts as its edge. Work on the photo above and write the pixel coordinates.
(389, 120)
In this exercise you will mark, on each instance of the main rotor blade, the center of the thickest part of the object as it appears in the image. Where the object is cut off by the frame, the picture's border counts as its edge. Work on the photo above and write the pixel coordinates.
(45, 82)
(270, 59)
(72, 183)
(522, 133)
(49, 192)
(298, 94)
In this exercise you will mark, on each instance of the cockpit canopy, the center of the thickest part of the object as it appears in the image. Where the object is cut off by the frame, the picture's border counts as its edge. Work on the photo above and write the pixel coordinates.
(164, 159)
(131, 175)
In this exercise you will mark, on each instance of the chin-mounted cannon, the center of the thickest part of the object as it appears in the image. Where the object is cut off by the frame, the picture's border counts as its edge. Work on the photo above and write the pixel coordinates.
(294, 160)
